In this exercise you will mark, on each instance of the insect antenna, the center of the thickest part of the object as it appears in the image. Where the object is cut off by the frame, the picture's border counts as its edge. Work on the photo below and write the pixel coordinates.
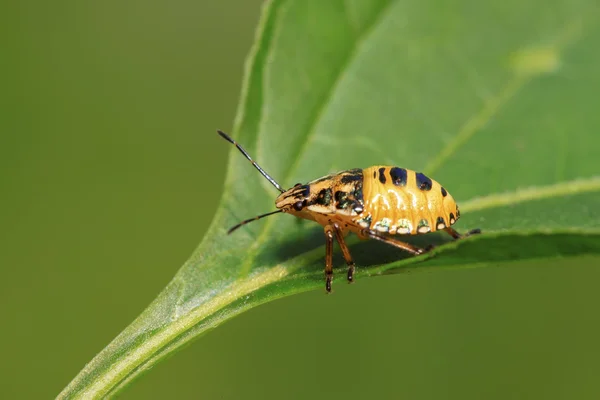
(262, 171)
(252, 219)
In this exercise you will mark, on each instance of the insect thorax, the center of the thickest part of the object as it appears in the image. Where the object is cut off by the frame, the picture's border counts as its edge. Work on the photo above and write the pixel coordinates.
(339, 194)
(336, 194)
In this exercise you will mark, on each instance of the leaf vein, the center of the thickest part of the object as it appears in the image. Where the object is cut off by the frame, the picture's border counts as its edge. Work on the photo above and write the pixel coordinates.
(566, 188)
(567, 36)
(477, 122)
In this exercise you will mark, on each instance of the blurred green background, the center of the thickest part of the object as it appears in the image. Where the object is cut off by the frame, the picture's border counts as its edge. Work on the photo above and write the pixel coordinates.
(110, 173)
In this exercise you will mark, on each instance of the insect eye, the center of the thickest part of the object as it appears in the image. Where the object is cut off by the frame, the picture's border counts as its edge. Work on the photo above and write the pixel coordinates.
(298, 205)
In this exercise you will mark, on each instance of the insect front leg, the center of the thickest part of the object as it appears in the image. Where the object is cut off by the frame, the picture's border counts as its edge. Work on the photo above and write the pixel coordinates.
(346, 252)
(328, 257)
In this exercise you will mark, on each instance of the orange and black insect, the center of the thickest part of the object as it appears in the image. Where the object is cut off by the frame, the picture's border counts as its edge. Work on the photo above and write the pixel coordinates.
(374, 203)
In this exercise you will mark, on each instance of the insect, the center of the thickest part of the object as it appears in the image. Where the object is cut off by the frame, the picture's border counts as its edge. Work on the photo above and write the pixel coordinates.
(374, 203)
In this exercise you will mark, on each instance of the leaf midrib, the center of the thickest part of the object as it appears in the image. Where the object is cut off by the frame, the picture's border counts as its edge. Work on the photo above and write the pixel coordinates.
(532, 193)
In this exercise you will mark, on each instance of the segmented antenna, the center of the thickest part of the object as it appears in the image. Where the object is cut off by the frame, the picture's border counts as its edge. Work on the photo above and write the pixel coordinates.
(262, 171)
(233, 228)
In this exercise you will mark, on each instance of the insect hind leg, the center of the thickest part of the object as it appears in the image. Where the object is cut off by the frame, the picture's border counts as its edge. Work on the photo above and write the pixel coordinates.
(393, 242)
(452, 232)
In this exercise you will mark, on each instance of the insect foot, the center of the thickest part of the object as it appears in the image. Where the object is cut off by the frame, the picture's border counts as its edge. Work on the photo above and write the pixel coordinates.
(351, 269)
(475, 231)
(328, 280)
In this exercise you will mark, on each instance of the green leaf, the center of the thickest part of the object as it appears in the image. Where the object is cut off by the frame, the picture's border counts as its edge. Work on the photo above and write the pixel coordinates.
(496, 101)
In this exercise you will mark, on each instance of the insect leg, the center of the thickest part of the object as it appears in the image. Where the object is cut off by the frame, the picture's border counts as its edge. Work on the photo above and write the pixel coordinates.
(452, 232)
(346, 252)
(328, 257)
(391, 241)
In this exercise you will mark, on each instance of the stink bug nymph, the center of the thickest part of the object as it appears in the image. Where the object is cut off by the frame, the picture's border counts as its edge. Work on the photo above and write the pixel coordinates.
(375, 203)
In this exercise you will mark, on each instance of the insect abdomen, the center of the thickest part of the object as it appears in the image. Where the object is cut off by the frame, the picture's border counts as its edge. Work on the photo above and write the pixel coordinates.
(402, 201)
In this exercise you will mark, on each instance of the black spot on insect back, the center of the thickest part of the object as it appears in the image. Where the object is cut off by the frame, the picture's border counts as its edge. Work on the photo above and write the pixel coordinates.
(423, 182)
(324, 197)
(358, 192)
(444, 193)
(354, 175)
(398, 176)
(340, 195)
(382, 175)
(341, 199)
(357, 198)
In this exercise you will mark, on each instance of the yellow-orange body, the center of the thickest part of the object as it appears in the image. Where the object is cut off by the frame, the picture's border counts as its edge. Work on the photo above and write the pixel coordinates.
(385, 199)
